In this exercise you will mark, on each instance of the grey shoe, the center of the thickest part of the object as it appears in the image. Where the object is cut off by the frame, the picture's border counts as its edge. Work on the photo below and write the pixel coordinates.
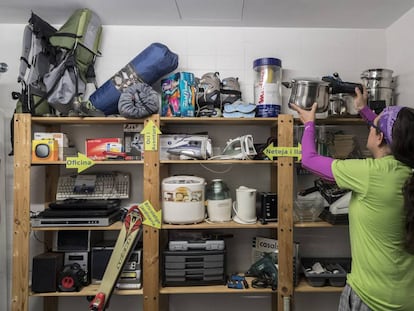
(230, 90)
(86, 109)
(208, 95)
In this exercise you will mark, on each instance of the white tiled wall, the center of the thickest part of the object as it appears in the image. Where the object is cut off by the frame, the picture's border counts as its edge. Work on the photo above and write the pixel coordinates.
(400, 57)
(231, 51)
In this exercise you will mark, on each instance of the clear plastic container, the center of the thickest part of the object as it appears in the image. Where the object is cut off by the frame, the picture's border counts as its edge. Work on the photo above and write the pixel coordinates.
(219, 202)
(217, 190)
(268, 86)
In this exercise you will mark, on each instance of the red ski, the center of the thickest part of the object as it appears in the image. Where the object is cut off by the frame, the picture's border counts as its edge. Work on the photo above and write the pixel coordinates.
(126, 241)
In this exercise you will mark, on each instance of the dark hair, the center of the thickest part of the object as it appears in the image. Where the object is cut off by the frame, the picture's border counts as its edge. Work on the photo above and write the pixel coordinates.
(402, 148)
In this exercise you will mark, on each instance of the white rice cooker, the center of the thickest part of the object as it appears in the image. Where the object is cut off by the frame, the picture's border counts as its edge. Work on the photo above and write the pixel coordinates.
(183, 199)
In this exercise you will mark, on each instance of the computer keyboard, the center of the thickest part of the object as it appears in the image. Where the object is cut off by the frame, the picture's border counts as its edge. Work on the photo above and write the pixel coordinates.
(112, 185)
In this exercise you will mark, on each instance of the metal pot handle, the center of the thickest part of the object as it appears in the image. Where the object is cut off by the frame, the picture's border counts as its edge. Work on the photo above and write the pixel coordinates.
(288, 85)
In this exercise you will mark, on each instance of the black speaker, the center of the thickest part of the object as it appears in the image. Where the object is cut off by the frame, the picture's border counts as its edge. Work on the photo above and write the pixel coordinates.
(45, 272)
(99, 260)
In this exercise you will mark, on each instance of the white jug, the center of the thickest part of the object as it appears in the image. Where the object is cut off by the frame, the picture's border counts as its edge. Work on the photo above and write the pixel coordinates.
(245, 205)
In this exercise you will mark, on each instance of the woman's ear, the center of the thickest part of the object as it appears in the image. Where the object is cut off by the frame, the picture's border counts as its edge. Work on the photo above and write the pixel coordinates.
(380, 138)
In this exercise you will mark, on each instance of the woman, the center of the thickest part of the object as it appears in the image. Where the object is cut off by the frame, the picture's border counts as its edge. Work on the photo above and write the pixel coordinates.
(381, 210)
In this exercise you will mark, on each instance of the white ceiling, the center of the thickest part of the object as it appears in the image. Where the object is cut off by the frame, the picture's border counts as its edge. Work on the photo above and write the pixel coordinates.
(251, 13)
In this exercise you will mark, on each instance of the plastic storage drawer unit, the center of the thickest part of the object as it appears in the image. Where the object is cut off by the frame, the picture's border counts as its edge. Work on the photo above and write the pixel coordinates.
(197, 267)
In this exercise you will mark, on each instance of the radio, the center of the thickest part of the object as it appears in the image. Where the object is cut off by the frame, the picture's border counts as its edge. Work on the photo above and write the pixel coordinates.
(44, 150)
(99, 260)
(129, 280)
(72, 278)
(268, 207)
(80, 258)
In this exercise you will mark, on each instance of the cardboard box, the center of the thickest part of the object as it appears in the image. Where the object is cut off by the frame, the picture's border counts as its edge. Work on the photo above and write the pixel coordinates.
(44, 150)
(134, 141)
(98, 149)
(61, 139)
(178, 95)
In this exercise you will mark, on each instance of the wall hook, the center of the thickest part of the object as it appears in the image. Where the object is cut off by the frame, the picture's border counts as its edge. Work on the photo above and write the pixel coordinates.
(3, 67)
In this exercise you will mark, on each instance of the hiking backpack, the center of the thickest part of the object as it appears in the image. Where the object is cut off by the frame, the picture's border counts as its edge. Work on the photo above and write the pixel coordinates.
(56, 65)
(60, 63)
(79, 39)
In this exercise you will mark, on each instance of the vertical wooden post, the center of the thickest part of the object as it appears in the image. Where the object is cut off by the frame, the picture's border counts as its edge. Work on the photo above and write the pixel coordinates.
(52, 173)
(151, 235)
(21, 217)
(285, 211)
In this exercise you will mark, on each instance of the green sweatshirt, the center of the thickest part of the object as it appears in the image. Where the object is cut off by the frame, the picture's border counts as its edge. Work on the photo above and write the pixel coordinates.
(382, 272)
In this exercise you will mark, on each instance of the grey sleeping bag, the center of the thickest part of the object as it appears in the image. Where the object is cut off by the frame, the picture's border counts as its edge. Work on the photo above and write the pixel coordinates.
(138, 101)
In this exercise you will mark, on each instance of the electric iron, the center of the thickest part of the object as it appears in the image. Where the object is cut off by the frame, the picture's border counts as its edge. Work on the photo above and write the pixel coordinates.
(192, 147)
(240, 148)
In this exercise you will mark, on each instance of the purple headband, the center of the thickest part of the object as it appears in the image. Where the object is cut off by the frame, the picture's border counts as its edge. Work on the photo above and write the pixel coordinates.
(386, 121)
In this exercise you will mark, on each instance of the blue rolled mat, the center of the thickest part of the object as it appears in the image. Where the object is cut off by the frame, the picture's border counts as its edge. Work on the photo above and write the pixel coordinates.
(148, 67)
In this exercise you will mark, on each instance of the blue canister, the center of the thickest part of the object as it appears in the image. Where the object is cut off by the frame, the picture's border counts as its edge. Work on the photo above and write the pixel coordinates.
(268, 86)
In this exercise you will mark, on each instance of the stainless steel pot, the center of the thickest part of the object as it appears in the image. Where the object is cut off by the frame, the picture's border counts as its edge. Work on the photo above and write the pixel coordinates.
(306, 92)
(342, 104)
(381, 94)
(373, 78)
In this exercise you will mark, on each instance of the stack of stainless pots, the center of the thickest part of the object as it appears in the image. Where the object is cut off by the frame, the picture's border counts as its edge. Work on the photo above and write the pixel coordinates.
(380, 87)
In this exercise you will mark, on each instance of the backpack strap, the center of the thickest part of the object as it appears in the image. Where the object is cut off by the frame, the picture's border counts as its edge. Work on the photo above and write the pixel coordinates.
(26, 47)
(67, 34)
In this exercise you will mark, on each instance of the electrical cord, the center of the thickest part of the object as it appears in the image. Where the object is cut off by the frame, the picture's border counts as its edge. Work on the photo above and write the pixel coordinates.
(263, 283)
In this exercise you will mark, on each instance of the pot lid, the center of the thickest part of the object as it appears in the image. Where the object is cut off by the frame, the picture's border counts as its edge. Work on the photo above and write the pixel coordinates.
(307, 81)
(377, 73)
(183, 180)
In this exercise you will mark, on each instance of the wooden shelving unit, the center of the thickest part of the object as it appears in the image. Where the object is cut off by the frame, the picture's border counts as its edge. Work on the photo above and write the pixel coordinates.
(155, 297)
(281, 182)
(23, 126)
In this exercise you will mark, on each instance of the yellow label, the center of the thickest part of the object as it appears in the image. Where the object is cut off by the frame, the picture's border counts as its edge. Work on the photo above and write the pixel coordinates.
(150, 133)
(271, 151)
(81, 162)
(152, 217)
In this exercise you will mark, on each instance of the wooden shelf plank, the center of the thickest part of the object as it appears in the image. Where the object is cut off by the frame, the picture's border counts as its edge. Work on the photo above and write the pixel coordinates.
(219, 162)
(221, 121)
(115, 226)
(221, 225)
(316, 224)
(304, 287)
(355, 120)
(215, 289)
(84, 120)
(109, 162)
(90, 290)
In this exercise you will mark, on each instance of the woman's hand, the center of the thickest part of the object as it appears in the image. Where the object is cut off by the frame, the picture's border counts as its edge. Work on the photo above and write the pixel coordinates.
(361, 99)
(305, 115)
